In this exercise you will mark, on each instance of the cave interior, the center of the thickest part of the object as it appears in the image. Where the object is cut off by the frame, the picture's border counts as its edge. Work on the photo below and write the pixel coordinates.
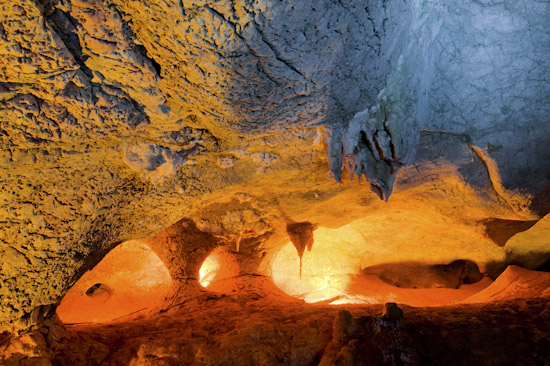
(274, 182)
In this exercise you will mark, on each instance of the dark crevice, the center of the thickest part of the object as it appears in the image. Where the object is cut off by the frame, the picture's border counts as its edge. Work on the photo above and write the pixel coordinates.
(379, 147)
(139, 116)
(223, 18)
(47, 6)
(544, 267)
(66, 28)
(131, 37)
(97, 289)
(276, 53)
(155, 64)
(365, 141)
(262, 70)
(342, 5)
(500, 230)
(392, 145)
(182, 7)
(278, 57)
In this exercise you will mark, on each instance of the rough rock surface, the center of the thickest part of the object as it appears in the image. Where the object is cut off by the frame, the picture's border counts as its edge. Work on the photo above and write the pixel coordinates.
(514, 283)
(489, 81)
(260, 331)
(221, 119)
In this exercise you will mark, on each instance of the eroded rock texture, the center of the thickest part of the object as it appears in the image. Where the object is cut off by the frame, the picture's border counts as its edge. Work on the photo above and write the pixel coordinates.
(103, 102)
(210, 125)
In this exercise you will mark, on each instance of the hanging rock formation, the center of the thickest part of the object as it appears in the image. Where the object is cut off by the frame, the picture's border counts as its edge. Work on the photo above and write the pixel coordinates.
(301, 236)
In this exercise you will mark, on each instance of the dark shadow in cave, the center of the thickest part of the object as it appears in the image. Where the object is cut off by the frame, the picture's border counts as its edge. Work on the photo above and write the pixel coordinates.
(413, 274)
(545, 267)
(500, 230)
(98, 288)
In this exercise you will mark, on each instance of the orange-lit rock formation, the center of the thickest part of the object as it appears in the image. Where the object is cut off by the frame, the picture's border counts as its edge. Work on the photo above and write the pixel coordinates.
(163, 162)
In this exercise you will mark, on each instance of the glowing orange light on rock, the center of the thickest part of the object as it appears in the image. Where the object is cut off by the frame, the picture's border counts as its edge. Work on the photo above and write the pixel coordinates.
(321, 275)
(208, 270)
(131, 277)
(333, 271)
(216, 270)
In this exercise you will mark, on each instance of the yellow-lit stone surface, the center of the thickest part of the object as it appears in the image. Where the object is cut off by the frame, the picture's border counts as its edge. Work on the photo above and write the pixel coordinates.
(333, 269)
(530, 248)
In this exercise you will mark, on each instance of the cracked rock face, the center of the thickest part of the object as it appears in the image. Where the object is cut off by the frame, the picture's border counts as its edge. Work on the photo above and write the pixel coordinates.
(121, 118)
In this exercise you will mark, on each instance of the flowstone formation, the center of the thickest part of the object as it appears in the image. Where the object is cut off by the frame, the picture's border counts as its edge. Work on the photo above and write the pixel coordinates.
(207, 129)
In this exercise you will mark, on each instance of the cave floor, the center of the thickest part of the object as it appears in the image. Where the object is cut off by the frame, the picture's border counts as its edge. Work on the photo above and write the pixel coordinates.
(253, 329)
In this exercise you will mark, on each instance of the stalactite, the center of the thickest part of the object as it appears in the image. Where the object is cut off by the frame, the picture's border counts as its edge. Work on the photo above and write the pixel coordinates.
(375, 143)
(301, 235)
(238, 242)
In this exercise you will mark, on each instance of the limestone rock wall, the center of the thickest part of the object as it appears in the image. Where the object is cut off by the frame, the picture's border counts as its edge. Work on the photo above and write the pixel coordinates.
(490, 81)
(477, 68)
